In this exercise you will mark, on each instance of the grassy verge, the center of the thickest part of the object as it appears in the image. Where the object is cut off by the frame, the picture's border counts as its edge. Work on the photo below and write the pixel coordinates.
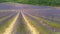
(36, 2)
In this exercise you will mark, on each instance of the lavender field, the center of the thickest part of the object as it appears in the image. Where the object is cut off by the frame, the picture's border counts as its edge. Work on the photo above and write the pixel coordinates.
(18, 18)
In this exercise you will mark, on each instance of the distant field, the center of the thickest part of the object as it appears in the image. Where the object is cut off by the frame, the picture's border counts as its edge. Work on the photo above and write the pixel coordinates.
(36, 2)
